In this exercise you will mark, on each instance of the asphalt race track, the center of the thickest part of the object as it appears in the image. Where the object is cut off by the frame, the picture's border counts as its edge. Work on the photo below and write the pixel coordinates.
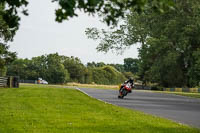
(178, 108)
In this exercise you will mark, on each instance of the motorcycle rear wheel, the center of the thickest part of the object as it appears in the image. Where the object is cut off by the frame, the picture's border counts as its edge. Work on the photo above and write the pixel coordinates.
(121, 97)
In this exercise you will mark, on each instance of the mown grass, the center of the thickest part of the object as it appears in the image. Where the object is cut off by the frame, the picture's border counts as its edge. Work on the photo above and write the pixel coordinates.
(50, 109)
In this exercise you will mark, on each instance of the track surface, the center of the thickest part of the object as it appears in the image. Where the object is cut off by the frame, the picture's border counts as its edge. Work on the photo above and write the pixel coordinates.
(178, 108)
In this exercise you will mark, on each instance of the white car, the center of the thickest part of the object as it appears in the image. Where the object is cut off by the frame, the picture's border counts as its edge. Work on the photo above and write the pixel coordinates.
(44, 82)
(41, 81)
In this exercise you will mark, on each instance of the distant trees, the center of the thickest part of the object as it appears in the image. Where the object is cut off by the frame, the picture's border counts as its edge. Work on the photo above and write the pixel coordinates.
(75, 68)
(128, 69)
(59, 69)
(48, 67)
(130, 65)
(19, 68)
(56, 72)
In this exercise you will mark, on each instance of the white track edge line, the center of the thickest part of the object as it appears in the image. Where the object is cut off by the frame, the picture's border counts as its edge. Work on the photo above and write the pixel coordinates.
(92, 96)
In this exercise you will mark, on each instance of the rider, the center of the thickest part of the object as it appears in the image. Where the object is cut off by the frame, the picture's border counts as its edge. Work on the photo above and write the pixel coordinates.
(131, 81)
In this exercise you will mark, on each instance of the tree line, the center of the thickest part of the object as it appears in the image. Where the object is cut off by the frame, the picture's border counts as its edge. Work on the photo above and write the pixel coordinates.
(59, 69)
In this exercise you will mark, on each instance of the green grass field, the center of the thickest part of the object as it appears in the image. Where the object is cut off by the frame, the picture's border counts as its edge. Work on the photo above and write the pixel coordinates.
(51, 109)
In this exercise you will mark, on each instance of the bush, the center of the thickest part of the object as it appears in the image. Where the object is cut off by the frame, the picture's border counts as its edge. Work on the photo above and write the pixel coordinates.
(106, 75)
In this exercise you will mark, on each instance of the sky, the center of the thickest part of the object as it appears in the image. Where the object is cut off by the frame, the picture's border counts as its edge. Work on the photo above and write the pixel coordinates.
(40, 34)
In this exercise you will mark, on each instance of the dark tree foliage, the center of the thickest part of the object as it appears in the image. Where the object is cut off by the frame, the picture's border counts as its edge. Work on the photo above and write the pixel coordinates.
(8, 26)
(169, 56)
(56, 72)
(10, 15)
(170, 44)
(76, 69)
(111, 10)
(6, 58)
(131, 65)
(21, 68)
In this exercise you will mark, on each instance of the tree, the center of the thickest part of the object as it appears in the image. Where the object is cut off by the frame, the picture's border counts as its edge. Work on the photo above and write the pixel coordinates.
(49, 67)
(9, 17)
(160, 64)
(56, 72)
(171, 48)
(111, 10)
(118, 67)
(131, 65)
(6, 58)
(118, 39)
(75, 68)
(19, 68)
(9, 23)
(169, 43)
(6, 34)
(128, 75)
(106, 75)
(93, 64)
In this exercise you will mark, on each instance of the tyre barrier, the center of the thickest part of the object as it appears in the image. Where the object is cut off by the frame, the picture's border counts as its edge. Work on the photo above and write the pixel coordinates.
(3, 81)
(9, 82)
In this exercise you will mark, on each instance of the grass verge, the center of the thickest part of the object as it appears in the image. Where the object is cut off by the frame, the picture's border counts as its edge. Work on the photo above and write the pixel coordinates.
(51, 109)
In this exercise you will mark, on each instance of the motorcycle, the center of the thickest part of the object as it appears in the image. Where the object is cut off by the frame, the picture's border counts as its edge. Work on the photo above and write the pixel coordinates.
(124, 89)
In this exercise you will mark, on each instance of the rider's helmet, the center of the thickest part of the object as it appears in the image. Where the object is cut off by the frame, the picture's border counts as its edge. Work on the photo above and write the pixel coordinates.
(131, 78)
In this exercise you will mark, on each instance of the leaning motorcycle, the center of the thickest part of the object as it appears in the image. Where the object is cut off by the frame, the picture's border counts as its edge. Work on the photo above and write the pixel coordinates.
(124, 89)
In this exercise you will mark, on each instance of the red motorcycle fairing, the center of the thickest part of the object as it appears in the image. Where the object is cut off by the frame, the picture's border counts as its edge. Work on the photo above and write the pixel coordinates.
(127, 87)
(124, 90)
